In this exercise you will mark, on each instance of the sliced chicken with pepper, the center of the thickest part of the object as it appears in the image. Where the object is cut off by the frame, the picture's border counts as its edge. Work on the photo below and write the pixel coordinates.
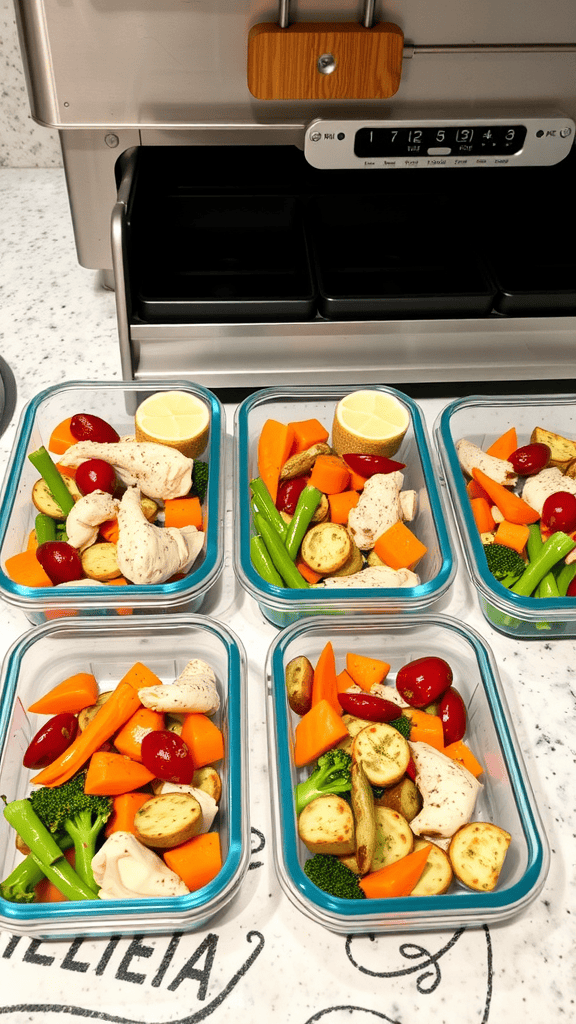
(152, 554)
(378, 509)
(125, 869)
(470, 457)
(87, 515)
(159, 471)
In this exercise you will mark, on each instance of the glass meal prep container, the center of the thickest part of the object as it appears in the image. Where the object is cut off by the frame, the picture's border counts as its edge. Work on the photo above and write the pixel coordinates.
(506, 798)
(482, 419)
(281, 605)
(115, 402)
(108, 648)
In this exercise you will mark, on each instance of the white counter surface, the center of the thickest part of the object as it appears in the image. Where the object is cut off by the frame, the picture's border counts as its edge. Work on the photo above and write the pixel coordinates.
(261, 956)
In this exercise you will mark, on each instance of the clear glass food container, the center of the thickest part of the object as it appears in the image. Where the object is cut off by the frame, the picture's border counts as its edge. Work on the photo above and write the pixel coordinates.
(506, 797)
(116, 402)
(108, 648)
(282, 605)
(482, 419)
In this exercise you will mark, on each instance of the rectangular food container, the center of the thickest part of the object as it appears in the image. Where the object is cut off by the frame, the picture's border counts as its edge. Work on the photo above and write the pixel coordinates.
(482, 419)
(116, 402)
(282, 606)
(108, 648)
(506, 798)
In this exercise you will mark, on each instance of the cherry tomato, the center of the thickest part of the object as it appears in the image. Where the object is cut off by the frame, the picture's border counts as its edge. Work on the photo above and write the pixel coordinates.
(369, 706)
(530, 458)
(168, 756)
(368, 465)
(60, 561)
(51, 740)
(86, 427)
(422, 681)
(288, 493)
(452, 711)
(559, 511)
(95, 475)
(571, 592)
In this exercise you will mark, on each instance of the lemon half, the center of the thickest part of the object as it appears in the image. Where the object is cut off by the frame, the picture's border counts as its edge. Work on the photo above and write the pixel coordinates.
(369, 423)
(176, 419)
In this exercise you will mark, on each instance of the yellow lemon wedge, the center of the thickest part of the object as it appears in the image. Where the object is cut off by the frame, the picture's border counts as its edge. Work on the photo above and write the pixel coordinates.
(176, 419)
(369, 422)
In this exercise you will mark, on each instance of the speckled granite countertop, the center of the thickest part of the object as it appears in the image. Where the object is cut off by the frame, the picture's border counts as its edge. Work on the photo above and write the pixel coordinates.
(261, 956)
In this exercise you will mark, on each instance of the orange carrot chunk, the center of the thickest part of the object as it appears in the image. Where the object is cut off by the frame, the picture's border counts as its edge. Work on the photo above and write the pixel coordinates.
(459, 751)
(109, 531)
(309, 574)
(340, 505)
(513, 508)
(110, 774)
(329, 474)
(129, 740)
(181, 512)
(307, 433)
(204, 739)
(512, 535)
(366, 671)
(482, 512)
(46, 891)
(399, 548)
(397, 879)
(24, 568)
(318, 730)
(197, 861)
(124, 807)
(72, 694)
(504, 445)
(474, 490)
(62, 437)
(274, 446)
(344, 681)
(324, 685)
(426, 728)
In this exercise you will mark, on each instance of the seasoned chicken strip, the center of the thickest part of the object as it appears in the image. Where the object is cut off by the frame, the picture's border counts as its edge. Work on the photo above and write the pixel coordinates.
(89, 512)
(374, 576)
(540, 486)
(379, 508)
(152, 554)
(159, 471)
(470, 457)
(448, 791)
(125, 869)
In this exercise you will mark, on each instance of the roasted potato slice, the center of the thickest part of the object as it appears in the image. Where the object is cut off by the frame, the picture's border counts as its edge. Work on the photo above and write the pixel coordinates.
(354, 562)
(437, 875)
(99, 562)
(404, 798)
(301, 464)
(362, 800)
(477, 853)
(384, 753)
(208, 779)
(326, 547)
(44, 501)
(562, 449)
(326, 825)
(168, 820)
(354, 725)
(87, 714)
(299, 679)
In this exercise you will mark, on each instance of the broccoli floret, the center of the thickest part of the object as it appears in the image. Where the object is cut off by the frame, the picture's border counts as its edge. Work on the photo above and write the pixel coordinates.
(403, 725)
(199, 479)
(505, 564)
(68, 808)
(331, 775)
(333, 877)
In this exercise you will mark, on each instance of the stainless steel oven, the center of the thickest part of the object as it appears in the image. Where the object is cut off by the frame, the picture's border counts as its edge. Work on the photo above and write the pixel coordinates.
(320, 191)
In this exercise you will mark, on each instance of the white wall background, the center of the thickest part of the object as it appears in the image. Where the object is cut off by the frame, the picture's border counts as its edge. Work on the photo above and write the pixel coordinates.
(23, 143)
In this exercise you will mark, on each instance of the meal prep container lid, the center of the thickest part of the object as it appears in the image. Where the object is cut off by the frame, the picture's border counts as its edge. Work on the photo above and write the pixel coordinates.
(282, 403)
(152, 640)
(107, 399)
(481, 418)
(528, 867)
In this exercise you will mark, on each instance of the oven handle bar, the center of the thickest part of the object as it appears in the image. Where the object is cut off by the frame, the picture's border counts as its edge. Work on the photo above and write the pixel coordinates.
(411, 49)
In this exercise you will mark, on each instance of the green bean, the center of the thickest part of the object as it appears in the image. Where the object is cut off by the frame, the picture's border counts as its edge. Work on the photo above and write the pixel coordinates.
(53, 478)
(263, 563)
(565, 577)
(306, 506)
(280, 557)
(44, 527)
(266, 506)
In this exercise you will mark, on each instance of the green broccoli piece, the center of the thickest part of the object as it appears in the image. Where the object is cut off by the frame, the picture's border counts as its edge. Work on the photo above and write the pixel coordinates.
(331, 775)
(403, 725)
(506, 565)
(199, 480)
(20, 884)
(68, 808)
(332, 876)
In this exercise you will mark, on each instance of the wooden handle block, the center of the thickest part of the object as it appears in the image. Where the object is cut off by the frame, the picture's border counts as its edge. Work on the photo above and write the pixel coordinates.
(283, 62)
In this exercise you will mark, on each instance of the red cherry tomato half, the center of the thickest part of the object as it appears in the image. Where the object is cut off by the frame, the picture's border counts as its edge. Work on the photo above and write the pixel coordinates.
(288, 493)
(422, 681)
(51, 740)
(571, 592)
(530, 458)
(559, 511)
(95, 475)
(452, 711)
(86, 427)
(369, 706)
(368, 465)
(60, 561)
(167, 755)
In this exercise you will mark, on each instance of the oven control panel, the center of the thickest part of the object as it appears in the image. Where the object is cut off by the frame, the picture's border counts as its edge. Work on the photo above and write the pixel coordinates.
(489, 142)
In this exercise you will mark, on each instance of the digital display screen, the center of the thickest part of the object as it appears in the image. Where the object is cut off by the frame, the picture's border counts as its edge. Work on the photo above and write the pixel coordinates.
(481, 140)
